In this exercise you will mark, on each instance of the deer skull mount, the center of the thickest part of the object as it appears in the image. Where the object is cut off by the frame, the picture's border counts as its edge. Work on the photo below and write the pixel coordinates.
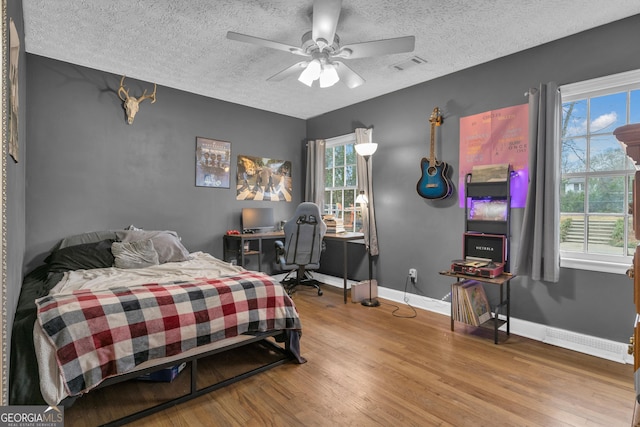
(131, 104)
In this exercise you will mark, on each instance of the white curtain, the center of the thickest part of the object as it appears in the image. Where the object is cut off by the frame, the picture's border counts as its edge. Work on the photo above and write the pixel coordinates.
(539, 251)
(314, 182)
(364, 136)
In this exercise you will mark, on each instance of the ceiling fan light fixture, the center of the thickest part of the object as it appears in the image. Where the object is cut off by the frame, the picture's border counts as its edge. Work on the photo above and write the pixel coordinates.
(311, 73)
(329, 76)
(322, 48)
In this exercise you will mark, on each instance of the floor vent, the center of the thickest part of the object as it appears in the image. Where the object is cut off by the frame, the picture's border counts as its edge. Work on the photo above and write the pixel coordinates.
(586, 344)
(409, 63)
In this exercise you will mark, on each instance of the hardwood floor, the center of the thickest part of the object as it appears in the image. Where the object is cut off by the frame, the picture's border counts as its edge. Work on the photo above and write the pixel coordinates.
(367, 367)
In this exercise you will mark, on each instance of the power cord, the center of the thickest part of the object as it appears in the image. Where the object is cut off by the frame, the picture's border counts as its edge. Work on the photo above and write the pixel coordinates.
(406, 301)
(419, 292)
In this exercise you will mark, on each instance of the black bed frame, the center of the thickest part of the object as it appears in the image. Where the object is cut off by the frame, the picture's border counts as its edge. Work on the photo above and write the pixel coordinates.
(285, 353)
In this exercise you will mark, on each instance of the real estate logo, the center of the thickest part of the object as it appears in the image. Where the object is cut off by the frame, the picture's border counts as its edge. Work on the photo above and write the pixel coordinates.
(31, 416)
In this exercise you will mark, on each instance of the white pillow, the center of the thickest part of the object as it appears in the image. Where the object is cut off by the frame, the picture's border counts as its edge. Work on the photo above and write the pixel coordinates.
(166, 243)
(138, 254)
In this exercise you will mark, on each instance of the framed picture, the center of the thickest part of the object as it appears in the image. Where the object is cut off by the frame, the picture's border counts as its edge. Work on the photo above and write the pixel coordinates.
(212, 163)
(261, 178)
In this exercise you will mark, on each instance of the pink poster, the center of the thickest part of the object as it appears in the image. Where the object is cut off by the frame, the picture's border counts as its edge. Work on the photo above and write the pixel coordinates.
(497, 137)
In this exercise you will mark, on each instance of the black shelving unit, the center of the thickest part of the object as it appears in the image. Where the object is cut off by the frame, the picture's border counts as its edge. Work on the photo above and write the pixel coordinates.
(497, 191)
(240, 247)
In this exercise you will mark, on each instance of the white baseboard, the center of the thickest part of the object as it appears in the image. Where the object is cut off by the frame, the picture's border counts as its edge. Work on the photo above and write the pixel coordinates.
(594, 346)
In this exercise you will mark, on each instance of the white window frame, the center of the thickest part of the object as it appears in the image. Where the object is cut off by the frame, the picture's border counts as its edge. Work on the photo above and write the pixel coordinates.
(349, 138)
(630, 80)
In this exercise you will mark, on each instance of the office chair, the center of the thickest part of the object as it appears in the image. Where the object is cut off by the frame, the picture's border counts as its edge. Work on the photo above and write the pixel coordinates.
(302, 247)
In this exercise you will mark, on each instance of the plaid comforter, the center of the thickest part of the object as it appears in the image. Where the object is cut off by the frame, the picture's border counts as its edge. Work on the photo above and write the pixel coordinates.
(99, 334)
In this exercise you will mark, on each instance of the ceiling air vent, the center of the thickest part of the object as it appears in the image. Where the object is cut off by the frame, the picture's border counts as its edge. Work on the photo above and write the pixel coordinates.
(409, 63)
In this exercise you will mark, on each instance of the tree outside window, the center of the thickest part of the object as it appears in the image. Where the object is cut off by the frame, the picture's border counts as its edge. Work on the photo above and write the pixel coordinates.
(596, 174)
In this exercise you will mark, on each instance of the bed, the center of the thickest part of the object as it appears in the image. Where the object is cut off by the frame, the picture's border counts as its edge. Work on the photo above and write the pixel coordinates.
(108, 306)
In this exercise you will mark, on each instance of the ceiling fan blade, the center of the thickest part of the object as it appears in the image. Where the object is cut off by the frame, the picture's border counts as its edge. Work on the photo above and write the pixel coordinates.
(325, 20)
(287, 72)
(265, 43)
(377, 47)
(347, 75)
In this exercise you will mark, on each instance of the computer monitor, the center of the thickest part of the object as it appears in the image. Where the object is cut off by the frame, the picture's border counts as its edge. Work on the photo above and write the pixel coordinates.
(258, 219)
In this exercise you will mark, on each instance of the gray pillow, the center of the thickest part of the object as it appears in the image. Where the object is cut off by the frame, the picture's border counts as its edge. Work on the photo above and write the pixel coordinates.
(138, 254)
(89, 237)
(166, 243)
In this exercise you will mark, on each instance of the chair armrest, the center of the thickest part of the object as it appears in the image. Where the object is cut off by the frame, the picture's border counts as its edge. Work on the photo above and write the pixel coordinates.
(280, 253)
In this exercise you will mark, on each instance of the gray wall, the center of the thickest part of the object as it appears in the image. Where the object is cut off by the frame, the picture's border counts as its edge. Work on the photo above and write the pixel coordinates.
(89, 170)
(427, 235)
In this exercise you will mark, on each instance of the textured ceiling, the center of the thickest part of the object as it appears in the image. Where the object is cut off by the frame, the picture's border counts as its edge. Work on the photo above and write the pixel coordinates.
(182, 43)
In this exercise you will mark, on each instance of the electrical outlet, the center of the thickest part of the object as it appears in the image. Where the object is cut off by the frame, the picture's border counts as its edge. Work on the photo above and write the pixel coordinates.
(413, 275)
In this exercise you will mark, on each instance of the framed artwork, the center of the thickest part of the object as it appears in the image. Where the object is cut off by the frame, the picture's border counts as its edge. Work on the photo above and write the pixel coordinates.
(213, 159)
(497, 137)
(260, 178)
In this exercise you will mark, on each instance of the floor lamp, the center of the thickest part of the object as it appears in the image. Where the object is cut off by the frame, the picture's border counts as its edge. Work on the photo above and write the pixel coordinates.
(366, 150)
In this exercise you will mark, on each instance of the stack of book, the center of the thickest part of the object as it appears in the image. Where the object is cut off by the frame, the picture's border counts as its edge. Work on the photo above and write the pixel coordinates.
(470, 303)
(334, 225)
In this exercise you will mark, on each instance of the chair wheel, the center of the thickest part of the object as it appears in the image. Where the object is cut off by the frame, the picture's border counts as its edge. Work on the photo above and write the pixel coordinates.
(319, 292)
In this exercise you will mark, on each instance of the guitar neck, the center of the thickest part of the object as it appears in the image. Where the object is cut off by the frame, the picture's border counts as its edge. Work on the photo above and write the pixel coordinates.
(435, 120)
(432, 155)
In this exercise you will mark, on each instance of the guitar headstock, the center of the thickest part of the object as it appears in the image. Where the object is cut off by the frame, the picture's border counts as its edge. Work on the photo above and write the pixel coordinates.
(436, 117)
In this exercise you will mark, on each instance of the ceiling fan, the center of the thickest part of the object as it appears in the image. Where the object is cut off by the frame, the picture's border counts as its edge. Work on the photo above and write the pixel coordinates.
(322, 47)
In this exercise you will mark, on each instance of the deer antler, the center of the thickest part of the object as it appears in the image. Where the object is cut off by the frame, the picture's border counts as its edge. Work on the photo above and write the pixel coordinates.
(123, 90)
(145, 96)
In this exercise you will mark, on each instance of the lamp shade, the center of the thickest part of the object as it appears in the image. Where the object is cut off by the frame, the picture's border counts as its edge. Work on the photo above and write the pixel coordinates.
(366, 149)
(362, 198)
(311, 73)
(329, 76)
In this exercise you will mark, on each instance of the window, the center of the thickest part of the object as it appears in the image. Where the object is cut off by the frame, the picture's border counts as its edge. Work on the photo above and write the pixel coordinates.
(596, 175)
(341, 181)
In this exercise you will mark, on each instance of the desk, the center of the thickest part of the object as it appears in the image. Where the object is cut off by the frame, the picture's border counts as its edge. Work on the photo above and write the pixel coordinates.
(237, 249)
(344, 238)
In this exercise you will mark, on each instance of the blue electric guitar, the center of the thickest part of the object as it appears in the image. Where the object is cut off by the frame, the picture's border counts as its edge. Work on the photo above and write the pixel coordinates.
(434, 183)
